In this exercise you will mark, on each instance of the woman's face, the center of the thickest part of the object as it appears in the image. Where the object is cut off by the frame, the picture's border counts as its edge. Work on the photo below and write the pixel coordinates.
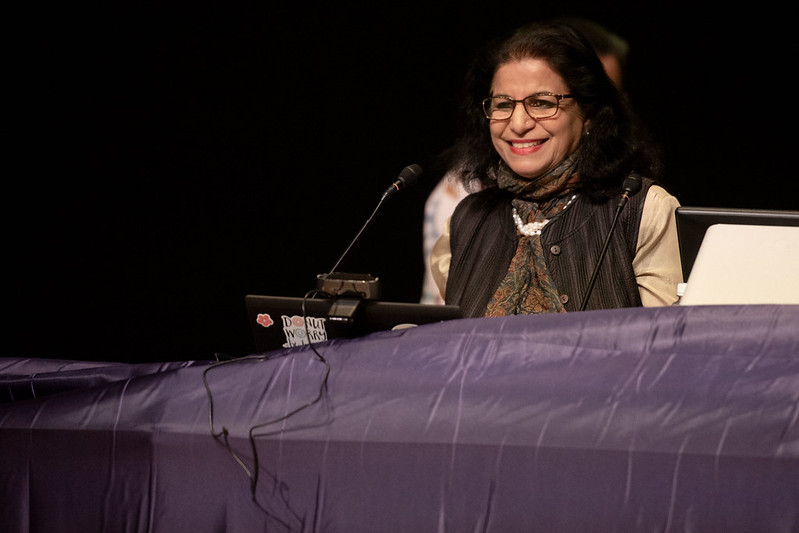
(531, 147)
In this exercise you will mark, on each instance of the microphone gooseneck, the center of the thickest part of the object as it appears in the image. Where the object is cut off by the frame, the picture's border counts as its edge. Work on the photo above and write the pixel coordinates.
(408, 176)
(631, 185)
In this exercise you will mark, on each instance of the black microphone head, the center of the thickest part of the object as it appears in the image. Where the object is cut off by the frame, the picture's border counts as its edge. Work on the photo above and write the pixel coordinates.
(409, 175)
(632, 184)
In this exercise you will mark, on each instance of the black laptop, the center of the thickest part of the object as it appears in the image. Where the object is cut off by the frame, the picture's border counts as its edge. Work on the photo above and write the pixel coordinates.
(283, 322)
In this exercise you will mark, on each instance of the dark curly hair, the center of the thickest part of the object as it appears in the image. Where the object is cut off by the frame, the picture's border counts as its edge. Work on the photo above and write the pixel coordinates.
(617, 145)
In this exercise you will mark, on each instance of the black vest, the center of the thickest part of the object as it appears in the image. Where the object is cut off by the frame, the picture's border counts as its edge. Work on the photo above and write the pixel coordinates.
(483, 240)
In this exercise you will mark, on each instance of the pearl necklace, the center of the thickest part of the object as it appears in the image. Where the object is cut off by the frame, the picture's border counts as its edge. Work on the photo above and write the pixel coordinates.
(534, 228)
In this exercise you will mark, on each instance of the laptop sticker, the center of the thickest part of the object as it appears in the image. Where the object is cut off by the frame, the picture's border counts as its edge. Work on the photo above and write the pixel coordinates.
(297, 334)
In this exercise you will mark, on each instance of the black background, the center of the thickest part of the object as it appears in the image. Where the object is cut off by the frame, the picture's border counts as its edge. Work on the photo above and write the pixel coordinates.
(155, 175)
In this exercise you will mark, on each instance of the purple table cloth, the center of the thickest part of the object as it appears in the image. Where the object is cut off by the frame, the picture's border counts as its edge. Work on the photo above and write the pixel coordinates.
(658, 419)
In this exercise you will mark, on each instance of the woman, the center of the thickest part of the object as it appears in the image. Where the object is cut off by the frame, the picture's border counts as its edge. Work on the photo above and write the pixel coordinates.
(551, 146)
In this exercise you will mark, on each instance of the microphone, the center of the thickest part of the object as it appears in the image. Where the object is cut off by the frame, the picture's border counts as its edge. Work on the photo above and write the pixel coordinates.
(631, 185)
(408, 176)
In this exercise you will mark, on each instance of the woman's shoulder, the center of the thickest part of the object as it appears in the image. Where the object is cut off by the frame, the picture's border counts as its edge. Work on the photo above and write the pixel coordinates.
(486, 197)
(490, 205)
(486, 200)
(657, 194)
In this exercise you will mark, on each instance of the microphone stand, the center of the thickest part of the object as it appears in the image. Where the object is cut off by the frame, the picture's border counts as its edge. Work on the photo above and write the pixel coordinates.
(348, 290)
(632, 184)
(363, 228)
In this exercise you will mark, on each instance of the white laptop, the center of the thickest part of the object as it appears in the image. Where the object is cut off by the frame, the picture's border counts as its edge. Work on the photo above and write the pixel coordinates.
(745, 264)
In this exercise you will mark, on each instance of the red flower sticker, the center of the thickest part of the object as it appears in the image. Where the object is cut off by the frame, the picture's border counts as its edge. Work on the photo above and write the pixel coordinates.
(264, 319)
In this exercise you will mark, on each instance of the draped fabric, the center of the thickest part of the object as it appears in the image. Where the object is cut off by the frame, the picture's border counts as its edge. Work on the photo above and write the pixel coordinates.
(641, 419)
(527, 287)
(559, 181)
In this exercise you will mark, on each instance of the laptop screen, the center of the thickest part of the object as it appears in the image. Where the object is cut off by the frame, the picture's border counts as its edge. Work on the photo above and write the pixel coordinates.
(745, 264)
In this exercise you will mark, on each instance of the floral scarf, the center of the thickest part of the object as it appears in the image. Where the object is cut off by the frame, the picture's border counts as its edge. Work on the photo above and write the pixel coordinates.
(527, 287)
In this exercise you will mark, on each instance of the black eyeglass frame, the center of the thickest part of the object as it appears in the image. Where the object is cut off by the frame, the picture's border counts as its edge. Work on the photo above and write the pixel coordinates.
(558, 97)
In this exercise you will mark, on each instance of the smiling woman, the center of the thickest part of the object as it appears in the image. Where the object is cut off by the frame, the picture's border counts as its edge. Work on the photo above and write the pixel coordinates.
(551, 175)
(547, 132)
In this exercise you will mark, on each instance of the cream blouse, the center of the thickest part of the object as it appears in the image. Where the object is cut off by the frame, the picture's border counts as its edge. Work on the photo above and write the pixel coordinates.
(657, 255)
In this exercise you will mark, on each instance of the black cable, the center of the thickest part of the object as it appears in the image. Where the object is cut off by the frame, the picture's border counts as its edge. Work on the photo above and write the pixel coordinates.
(253, 475)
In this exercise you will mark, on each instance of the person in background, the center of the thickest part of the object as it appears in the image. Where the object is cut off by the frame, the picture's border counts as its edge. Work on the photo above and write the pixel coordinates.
(549, 140)
(612, 51)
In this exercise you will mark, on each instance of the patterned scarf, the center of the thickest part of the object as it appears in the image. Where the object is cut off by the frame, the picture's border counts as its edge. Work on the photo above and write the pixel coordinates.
(527, 287)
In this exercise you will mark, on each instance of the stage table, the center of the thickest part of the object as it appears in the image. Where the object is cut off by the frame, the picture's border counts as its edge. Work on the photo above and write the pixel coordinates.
(655, 419)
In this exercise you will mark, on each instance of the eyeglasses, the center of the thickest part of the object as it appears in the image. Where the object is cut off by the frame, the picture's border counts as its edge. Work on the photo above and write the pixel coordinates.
(539, 105)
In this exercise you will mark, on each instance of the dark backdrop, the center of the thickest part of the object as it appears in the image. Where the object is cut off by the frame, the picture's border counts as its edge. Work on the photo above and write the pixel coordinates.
(157, 174)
